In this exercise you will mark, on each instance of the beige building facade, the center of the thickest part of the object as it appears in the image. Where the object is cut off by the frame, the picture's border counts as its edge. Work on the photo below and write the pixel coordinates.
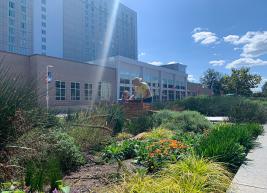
(70, 84)
(66, 84)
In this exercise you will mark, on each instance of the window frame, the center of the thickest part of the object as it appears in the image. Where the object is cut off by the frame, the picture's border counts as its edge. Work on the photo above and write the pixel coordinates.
(88, 92)
(77, 91)
(62, 89)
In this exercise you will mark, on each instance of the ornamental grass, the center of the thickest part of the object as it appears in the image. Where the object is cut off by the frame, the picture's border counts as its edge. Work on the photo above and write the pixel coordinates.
(190, 175)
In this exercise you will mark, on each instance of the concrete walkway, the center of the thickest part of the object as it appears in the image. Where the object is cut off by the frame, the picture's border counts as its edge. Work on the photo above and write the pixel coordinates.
(252, 178)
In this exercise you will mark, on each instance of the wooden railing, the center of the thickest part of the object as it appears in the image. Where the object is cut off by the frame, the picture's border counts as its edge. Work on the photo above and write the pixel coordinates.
(135, 108)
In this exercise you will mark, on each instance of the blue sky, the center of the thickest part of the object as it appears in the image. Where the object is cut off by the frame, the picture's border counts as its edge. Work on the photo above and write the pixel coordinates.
(203, 34)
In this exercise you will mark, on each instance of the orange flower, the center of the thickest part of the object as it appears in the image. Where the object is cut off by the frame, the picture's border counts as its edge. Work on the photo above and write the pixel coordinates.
(151, 155)
(157, 151)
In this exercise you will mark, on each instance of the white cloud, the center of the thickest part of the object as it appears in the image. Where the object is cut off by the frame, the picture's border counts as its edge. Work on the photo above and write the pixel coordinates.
(173, 62)
(254, 43)
(204, 37)
(191, 78)
(246, 62)
(217, 62)
(231, 39)
(197, 29)
(156, 63)
(235, 49)
(142, 54)
(257, 46)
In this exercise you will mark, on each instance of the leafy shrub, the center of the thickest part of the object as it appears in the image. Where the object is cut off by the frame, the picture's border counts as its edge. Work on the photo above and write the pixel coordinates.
(140, 124)
(10, 186)
(38, 174)
(237, 108)
(159, 133)
(116, 118)
(248, 111)
(47, 143)
(210, 105)
(191, 174)
(123, 150)
(188, 121)
(123, 136)
(190, 139)
(164, 116)
(65, 148)
(229, 143)
(88, 137)
(171, 105)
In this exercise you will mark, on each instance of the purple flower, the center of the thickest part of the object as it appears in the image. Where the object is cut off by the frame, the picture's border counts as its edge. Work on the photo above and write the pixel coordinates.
(55, 191)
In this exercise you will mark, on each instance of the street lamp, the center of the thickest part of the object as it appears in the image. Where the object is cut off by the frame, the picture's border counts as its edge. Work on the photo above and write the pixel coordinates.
(47, 86)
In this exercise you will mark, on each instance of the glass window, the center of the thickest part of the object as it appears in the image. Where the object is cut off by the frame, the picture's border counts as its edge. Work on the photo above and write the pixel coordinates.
(178, 95)
(23, 8)
(182, 86)
(11, 4)
(43, 9)
(170, 84)
(99, 90)
(104, 90)
(182, 95)
(164, 95)
(43, 16)
(11, 30)
(43, 47)
(88, 91)
(43, 32)
(23, 43)
(75, 91)
(177, 86)
(23, 17)
(11, 39)
(60, 91)
(165, 83)
(124, 81)
(44, 39)
(23, 25)
(43, 24)
(44, 2)
(11, 21)
(11, 13)
(171, 95)
(156, 94)
(23, 34)
(11, 48)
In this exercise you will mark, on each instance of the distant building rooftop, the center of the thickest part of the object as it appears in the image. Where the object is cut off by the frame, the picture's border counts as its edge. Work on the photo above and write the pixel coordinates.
(176, 66)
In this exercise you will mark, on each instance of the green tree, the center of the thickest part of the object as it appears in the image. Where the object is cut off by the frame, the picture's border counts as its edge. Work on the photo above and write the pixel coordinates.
(264, 89)
(212, 80)
(240, 82)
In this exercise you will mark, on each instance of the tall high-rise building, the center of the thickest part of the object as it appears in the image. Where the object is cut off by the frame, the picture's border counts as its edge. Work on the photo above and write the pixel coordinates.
(16, 26)
(70, 29)
(48, 27)
(86, 25)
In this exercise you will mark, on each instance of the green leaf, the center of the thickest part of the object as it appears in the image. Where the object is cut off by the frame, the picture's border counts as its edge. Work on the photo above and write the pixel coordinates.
(65, 189)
